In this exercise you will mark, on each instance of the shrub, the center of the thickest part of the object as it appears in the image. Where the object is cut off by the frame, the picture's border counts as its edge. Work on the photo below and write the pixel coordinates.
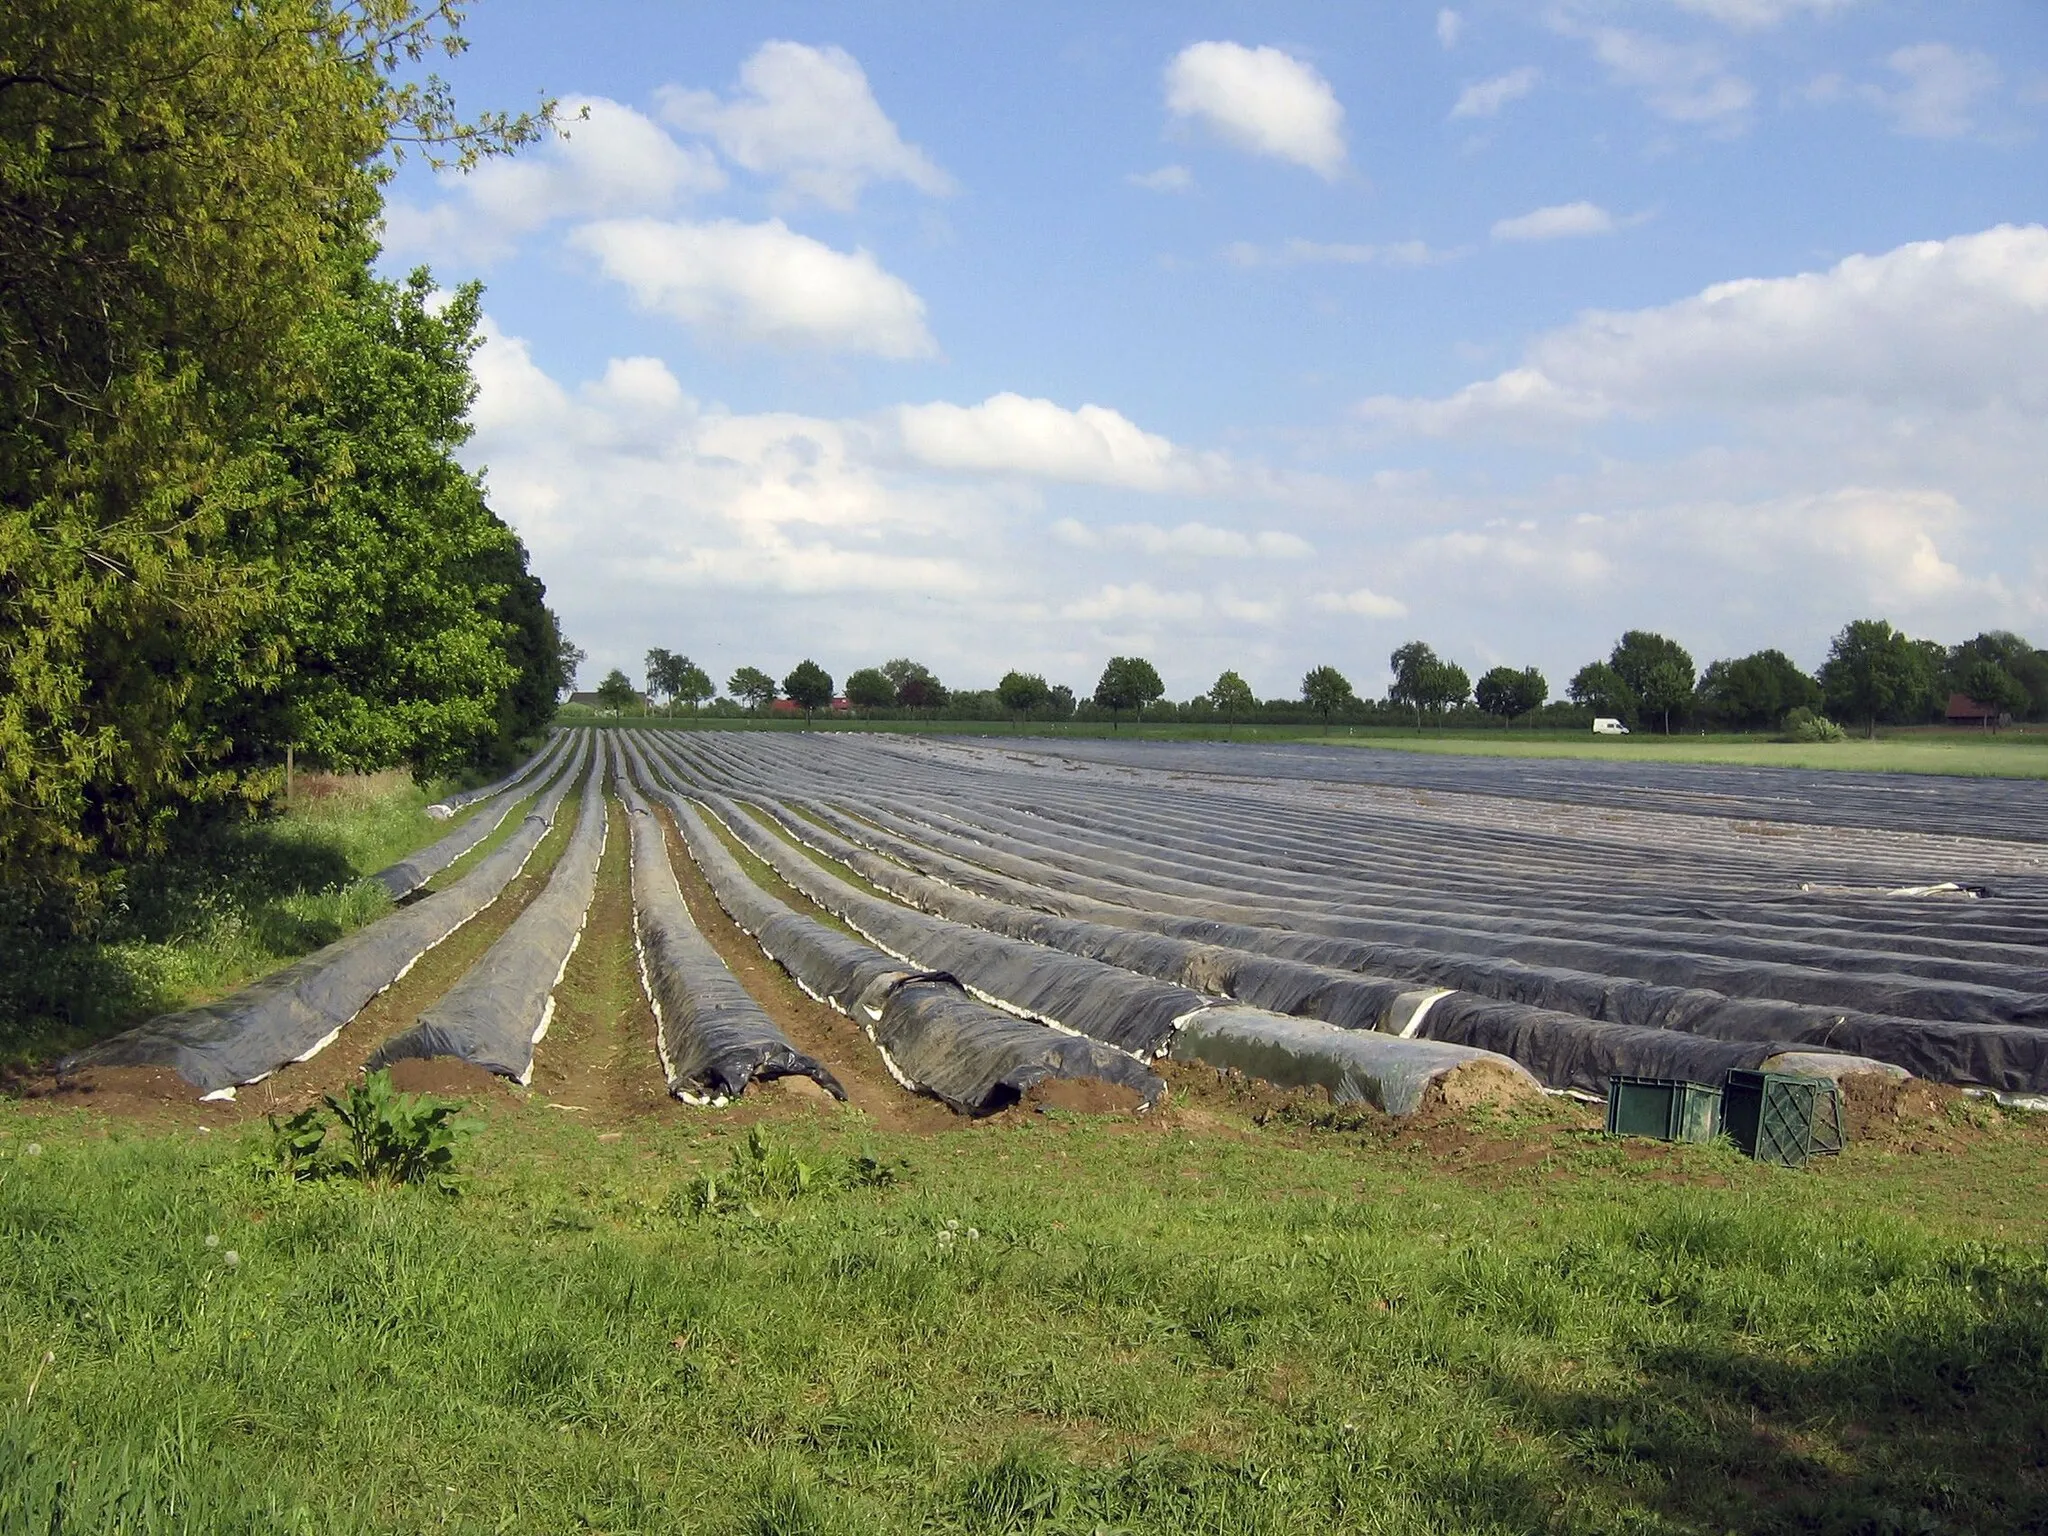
(1803, 724)
(760, 1171)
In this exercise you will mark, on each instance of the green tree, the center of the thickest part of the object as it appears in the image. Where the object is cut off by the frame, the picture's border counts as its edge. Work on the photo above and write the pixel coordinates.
(1233, 697)
(1755, 692)
(661, 673)
(1506, 692)
(176, 180)
(1658, 672)
(808, 686)
(533, 645)
(387, 573)
(1598, 687)
(1325, 690)
(1128, 682)
(870, 688)
(921, 690)
(616, 693)
(2017, 657)
(752, 687)
(569, 659)
(692, 683)
(1061, 705)
(1415, 667)
(1022, 692)
(1873, 672)
(1988, 683)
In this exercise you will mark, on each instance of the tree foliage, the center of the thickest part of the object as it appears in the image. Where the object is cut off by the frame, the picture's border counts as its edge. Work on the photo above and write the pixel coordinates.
(1658, 673)
(1873, 672)
(616, 691)
(1598, 687)
(752, 687)
(1023, 692)
(186, 193)
(1424, 681)
(1507, 693)
(870, 688)
(1232, 696)
(1325, 690)
(1128, 682)
(1756, 692)
(808, 686)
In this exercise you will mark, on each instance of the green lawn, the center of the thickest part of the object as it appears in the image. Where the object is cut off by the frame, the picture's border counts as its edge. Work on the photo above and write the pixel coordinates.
(1045, 1324)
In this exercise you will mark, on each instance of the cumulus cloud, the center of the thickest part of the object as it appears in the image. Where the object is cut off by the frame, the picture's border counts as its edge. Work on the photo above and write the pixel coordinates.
(1260, 100)
(1017, 435)
(1560, 222)
(1168, 178)
(608, 160)
(1682, 82)
(761, 282)
(1137, 603)
(1296, 253)
(1940, 325)
(1362, 601)
(807, 117)
(1485, 98)
(1196, 541)
(1939, 91)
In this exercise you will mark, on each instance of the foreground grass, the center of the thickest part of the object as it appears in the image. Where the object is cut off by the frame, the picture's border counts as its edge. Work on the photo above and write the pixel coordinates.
(1049, 1324)
(2015, 754)
(228, 903)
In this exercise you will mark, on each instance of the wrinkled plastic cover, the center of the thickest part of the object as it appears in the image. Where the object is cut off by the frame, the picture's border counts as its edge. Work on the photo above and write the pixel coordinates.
(497, 1013)
(294, 1013)
(714, 1038)
(1354, 1066)
(416, 869)
(932, 1035)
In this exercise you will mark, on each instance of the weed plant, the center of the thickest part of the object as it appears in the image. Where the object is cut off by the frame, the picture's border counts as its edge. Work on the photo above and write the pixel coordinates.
(385, 1138)
(1048, 1326)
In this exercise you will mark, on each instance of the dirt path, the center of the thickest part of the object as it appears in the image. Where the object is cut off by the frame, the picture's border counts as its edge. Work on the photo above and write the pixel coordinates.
(598, 1060)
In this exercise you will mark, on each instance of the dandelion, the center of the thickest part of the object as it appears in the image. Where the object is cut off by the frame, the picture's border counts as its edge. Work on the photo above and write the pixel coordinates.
(213, 1239)
(33, 1149)
(953, 1224)
(974, 1234)
(231, 1258)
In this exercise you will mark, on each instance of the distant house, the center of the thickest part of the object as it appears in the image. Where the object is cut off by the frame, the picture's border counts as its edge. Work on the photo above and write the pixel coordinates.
(784, 707)
(1964, 710)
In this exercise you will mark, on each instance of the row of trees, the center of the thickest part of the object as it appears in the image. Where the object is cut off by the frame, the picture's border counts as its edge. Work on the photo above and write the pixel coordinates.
(1873, 674)
(232, 523)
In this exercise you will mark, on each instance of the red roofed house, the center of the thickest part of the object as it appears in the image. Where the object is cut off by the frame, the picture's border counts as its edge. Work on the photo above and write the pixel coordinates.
(1964, 710)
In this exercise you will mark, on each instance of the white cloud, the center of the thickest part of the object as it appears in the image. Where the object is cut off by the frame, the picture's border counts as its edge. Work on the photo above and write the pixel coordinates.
(1362, 601)
(1760, 15)
(1015, 435)
(1196, 541)
(1449, 26)
(1685, 83)
(1487, 97)
(761, 282)
(1137, 603)
(1261, 100)
(807, 116)
(1941, 89)
(1168, 178)
(1295, 253)
(611, 161)
(1938, 326)
(1560, 222)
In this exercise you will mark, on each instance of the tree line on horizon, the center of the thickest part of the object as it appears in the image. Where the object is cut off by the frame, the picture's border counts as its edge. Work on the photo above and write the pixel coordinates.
(234, 532)
(1874, 674)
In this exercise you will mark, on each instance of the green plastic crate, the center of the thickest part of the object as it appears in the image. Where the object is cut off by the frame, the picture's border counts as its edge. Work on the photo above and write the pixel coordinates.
(1667, 1108)
(1782, 1117)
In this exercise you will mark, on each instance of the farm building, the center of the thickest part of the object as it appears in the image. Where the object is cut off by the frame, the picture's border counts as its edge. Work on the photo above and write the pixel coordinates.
(1964, 710)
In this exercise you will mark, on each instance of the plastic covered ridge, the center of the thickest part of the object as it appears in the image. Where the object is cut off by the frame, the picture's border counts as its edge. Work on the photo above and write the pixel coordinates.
(416, 869)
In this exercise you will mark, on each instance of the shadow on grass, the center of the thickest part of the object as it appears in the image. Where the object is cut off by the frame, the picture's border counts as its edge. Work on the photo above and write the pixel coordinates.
(227, 895)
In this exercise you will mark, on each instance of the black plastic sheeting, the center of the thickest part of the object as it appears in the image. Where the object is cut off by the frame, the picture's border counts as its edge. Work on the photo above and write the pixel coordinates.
(1106, 1002)
(293, 1014)
(415, 870)
(933, 1037)
(497, 1013)
(1330, 888)
(455, 803)
(714, 1038)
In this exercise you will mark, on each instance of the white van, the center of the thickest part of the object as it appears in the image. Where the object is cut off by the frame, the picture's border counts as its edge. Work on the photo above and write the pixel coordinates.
(1604, 725)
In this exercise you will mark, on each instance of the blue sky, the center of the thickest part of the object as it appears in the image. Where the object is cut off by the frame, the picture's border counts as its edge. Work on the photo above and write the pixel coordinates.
(1260, 336)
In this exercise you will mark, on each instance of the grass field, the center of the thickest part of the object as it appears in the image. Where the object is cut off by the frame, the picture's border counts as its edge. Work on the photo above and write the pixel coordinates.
(1042, 1323)
(2017, 754)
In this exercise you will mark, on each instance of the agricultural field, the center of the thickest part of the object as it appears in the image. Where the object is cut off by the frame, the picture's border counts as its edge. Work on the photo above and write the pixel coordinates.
(875, 1132)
